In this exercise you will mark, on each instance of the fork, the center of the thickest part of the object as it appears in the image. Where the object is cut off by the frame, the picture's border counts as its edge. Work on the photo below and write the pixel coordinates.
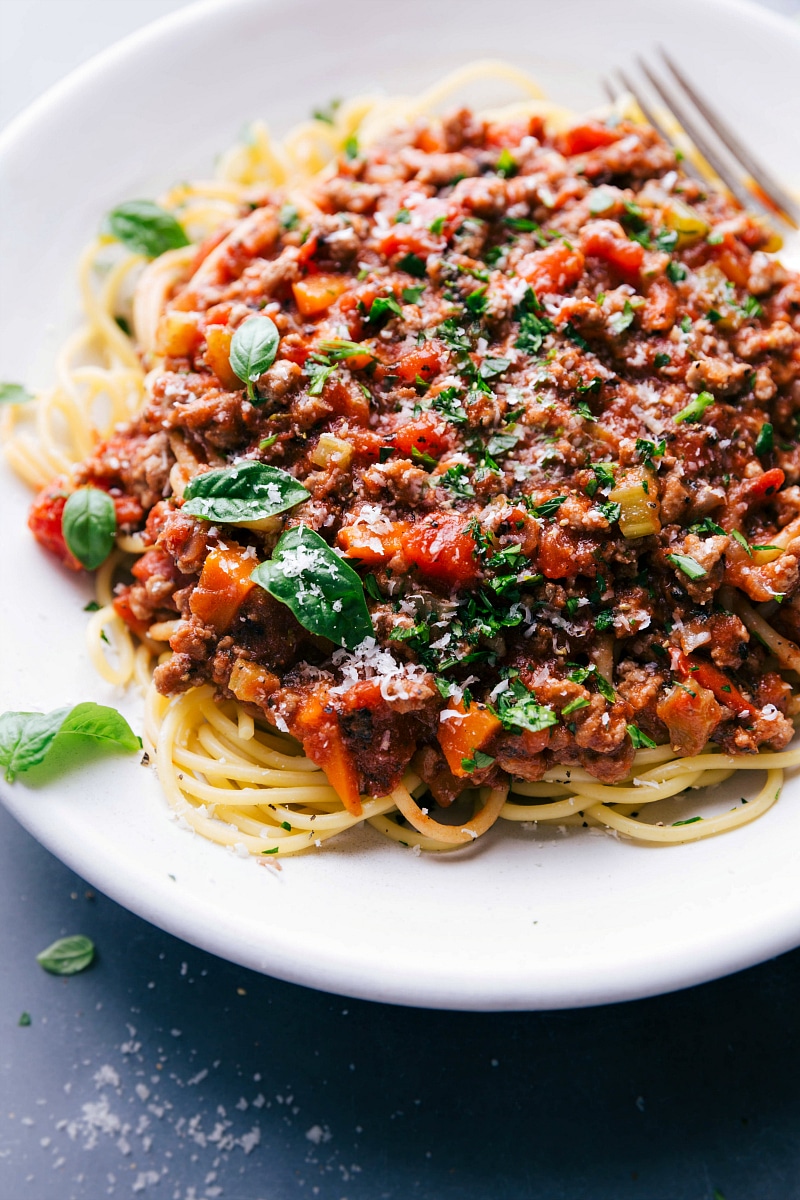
(717, 155)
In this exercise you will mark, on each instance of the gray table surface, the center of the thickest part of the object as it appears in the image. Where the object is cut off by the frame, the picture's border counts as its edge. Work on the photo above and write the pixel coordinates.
(164, 1071)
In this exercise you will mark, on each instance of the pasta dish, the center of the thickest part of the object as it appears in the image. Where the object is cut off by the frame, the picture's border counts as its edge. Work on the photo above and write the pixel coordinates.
(435, 470)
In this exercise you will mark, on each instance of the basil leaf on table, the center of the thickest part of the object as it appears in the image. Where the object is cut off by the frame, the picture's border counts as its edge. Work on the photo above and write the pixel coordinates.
(89, 525)
(14, 393)
(25, 738)
(146, 228)
(28, 738)
(68, 955)
(253, 349)
(324, 593)
(242, 494)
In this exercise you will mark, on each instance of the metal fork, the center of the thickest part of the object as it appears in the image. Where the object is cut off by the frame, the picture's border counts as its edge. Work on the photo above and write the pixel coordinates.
(720, 155)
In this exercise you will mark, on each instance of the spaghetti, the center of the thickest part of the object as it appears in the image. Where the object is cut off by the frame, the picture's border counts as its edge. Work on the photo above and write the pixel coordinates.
(226, 760)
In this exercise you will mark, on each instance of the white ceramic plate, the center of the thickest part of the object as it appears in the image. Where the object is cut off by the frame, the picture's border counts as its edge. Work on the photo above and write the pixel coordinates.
(520, 920)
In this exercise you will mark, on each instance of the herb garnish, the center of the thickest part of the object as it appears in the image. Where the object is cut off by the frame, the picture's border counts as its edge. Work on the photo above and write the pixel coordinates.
(146, 228)
(248, 491)
(28, 738)
(253, 349)
(324, 592)
(68, 955)
(89, 526)
(690, 566)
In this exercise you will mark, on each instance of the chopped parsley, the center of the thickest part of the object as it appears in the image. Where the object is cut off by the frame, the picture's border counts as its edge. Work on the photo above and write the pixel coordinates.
(690, 566)
(695, 408)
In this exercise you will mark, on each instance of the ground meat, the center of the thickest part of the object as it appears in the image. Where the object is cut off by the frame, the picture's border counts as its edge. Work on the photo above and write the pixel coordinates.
(542, 435)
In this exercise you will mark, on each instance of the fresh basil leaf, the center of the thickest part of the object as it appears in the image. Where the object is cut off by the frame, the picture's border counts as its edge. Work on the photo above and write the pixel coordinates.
(14, 393)
(249, 491)
(100, 724)
(68, 955)
(324, 593)
(26, 738)
(89, 526)
(253, 349)
(146, 228)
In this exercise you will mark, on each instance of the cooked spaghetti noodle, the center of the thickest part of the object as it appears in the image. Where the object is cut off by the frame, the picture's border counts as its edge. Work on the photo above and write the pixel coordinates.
(224, 764)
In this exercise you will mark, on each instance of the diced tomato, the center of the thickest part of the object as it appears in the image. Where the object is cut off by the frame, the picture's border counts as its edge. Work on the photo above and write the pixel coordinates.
(607, 240)
(716, 681)
(408, 239)
(733, 258)
(563, 554)
(429, 141)
(767, 484)
(425, 362)
(366, 444)
(224, 585)
(588, 136)
(306, 253)
(554, 269)
(44, 522)
(425, 434)
(347, 400)
(321, 735)
(660, 307)
(372, 547)
(122, 607)
(442, 548)
(128, 509)
(316, 293)
(155, 563)
(460, 736)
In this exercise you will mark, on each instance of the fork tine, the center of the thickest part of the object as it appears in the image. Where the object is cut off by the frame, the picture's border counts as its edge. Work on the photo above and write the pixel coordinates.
(764, 180)
(609, 89)
(708, 151)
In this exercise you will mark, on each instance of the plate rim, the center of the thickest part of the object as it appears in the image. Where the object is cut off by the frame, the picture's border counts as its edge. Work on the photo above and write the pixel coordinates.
(331, 970)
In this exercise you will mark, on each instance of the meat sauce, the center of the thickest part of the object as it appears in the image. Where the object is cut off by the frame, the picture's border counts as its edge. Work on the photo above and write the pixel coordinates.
(568, 414)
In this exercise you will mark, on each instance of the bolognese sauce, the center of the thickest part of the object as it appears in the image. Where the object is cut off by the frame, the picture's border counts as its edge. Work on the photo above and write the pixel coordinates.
(541, 394)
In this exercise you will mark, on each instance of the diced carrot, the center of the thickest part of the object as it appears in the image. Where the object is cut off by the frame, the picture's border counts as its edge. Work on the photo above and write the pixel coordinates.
(554, 269)
(587, 136)
(371, 548)
(322, 740)
(44, 522)
(178, 334)
(218, 356)
(425, 362)
(425, 434)
(442, 548)
(316, 293)
(461, 736)
(224, 585)
(607, 240)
